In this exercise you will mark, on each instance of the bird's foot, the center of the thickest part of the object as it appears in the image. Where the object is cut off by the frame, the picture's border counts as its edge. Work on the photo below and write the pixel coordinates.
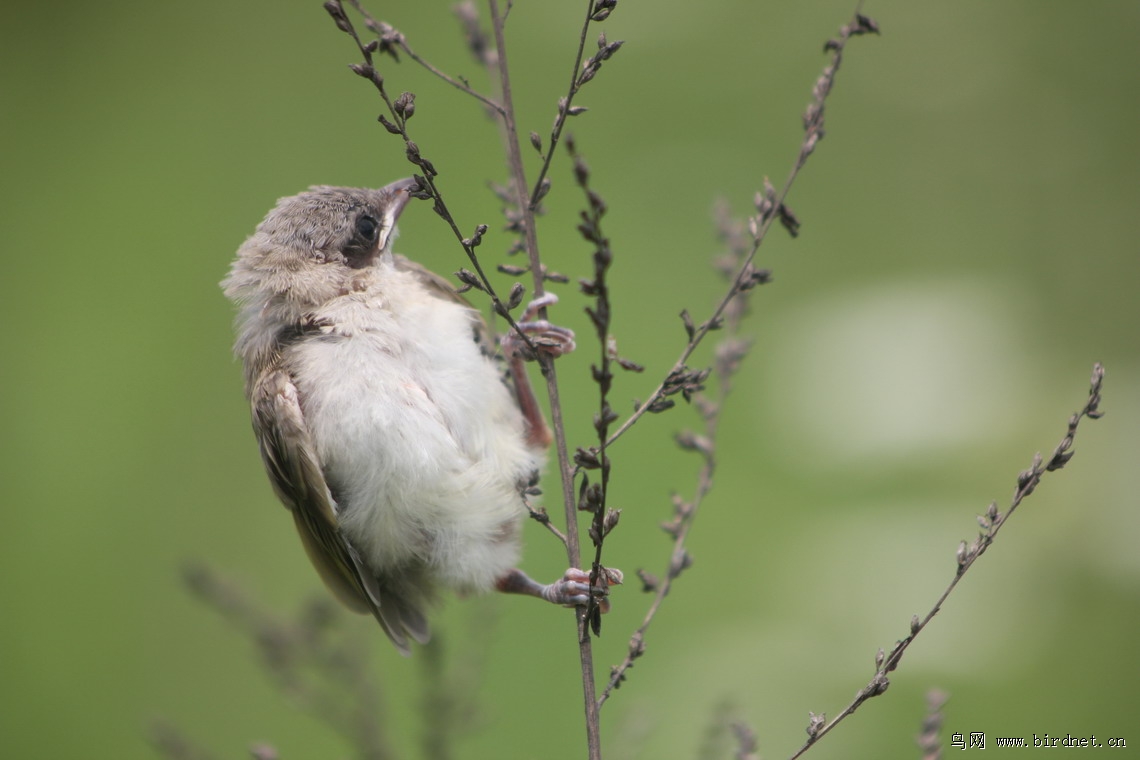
(573, 589)
(544, 337)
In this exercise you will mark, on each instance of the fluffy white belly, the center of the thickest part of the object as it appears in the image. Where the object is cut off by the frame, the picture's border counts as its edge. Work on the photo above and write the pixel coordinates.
(421, 442)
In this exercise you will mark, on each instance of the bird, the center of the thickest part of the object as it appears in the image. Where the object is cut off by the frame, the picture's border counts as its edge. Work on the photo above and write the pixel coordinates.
(396, 432)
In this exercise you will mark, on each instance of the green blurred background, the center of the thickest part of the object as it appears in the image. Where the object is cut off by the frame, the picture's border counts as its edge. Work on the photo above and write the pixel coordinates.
(968, 251)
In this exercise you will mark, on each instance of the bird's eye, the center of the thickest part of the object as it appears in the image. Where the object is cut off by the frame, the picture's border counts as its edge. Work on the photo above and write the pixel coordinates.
(367, 227)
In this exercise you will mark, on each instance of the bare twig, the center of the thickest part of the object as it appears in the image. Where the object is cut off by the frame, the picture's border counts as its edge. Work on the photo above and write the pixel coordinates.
(743, 277)
(596, 10)
(929, 739)
(730, 352)
(770, 206)
(990, 522)
(593, 497)
(540, 516)
(314, 663)
(573, 553)
(388, 35)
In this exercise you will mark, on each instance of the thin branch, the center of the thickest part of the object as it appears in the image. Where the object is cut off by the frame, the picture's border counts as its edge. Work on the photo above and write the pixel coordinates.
(730, 353)
(313, 659)
(769, 207)
(991, 522)
(593, 497)
(539, 515)
(518, 175)
(386, 32)
(596, 10)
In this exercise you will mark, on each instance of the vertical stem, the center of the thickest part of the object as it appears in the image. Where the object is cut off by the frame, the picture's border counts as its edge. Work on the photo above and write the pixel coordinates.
(519, 186)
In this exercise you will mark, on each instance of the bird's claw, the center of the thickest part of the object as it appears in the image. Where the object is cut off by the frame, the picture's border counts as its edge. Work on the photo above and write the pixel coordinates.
(540, 335)
(574, 589)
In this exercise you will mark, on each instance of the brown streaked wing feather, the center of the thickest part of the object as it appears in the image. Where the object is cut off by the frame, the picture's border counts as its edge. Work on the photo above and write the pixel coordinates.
(291, 461)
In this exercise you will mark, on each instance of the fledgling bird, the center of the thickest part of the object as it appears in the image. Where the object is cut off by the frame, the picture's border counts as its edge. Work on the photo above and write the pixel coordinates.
(384, 419)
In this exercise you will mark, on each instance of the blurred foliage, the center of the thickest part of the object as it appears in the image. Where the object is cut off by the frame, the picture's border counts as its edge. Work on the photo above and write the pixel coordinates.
(968, 251)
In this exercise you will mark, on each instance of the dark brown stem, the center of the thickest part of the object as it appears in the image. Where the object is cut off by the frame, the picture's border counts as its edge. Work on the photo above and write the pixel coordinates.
(519, 188)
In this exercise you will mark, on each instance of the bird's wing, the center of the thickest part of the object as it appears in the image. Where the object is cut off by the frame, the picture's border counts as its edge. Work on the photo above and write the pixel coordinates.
(295, 472)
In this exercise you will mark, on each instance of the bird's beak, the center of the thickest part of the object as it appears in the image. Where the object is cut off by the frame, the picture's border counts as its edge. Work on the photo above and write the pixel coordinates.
(398, 191)
(398, 197)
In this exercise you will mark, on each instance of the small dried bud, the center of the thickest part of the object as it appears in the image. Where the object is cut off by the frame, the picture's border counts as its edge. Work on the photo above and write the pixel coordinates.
(1025, 478)
(865, 24)
(469, 279)
(476, 239)
(681, 562)
(581, 172)
(915, 625)
(362, 70)
(607, 415)
(714, 324)
(589, 496)
(336, 10)
(629, 365)
(815, 724)
(422, 192)
(543, 189)
(388, 125)
(405, 105)
(608, 51)
(649, 581)
(587, 459)
(636, 645)
(1060, 459)
(610, 522)
(690, 441)
(789, 220)
(536, 141)
(690, 328)
(516, 295)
